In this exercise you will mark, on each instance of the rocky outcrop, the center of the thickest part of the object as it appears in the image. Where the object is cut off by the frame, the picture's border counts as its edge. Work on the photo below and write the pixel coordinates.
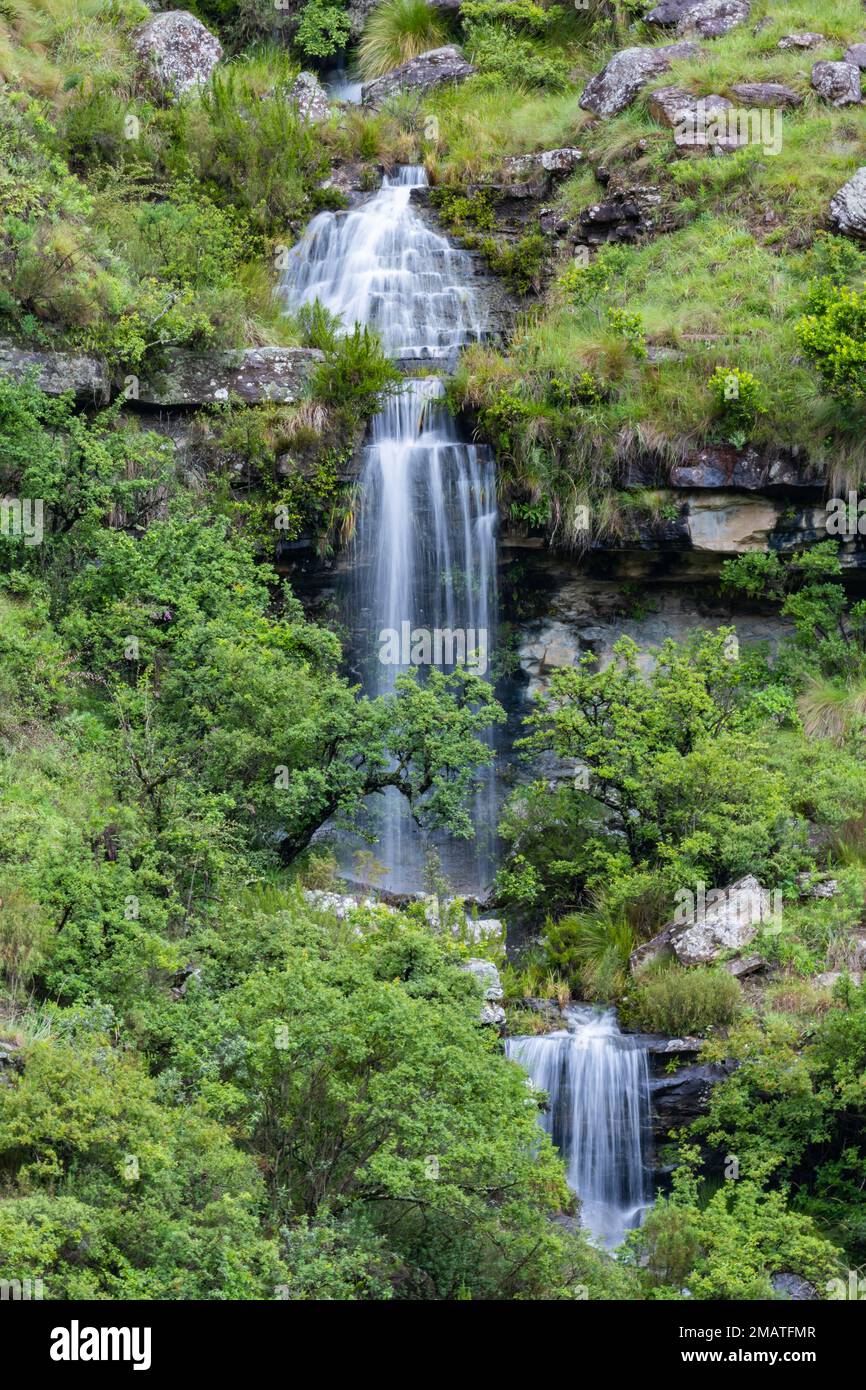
(721, 466)
(561, 161)
(803, 41)
(727, 920)
(623, 216)
(432, 69)
(678, 1099)
(709, 18)
(697, 122)
(627, 73)
(309, 98)
(177, 53)
(838, 83)
(252, 375)
(55, 373)
(770, 94)
(485, 972)
(848, 206)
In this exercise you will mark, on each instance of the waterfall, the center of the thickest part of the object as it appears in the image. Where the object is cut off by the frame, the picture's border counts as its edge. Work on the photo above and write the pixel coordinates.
(597, 1084)
(423, 556)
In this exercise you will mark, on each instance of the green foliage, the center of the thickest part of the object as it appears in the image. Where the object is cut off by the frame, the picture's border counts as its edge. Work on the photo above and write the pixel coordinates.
(356, 373)
(519, 262)
(832, 334)
(323, 29)
(395, 32)
(738, 395)
(677, 1001)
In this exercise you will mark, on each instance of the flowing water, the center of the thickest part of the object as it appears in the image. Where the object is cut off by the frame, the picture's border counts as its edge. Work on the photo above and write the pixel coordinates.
(423, 558)
(597, 1084)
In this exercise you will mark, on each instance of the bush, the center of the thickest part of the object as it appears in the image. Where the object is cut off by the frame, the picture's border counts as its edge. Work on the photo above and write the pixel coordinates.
(739, 396)
(355, 374)
(833, 337)
(323, 30)
(397, 31)
(678, 1001)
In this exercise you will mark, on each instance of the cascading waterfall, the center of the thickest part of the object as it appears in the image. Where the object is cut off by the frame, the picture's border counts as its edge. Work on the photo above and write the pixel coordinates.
(423, 556)
(597, 1083)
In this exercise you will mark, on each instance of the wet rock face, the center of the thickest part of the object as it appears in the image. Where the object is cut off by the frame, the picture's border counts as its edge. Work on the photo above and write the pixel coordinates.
(57, 372)
(848, 206)
(432, 69)
(679, 1099)
(178, 53)
(838, 83)
(709, 18)
(627, 73)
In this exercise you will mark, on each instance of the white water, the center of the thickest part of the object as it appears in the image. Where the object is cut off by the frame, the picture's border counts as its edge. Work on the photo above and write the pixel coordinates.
(424, 550)
(596, 1080)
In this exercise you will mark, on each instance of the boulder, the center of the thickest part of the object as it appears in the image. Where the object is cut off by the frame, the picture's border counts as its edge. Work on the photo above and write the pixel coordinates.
(253, 375)
(848, 206)
(627, 73)
(699, 123)
(793, 1287)
(709, 18)
(55, 373)
(309, 98)
(765, 94)
(555, 162)
(431, 69)
(838, 83)
(727, 920)
(807, 40)
(856, 54)
(485, 972)
(178, 53)
(741, 966)
(828, 979)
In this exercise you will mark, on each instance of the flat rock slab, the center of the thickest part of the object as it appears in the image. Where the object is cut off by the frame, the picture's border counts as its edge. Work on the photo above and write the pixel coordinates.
(55, 373)
(765, 94)
(708, 18)
(253, 375)
(627, 73)
(848, 206)
(838, 83)
(431, 69)
(178, 53)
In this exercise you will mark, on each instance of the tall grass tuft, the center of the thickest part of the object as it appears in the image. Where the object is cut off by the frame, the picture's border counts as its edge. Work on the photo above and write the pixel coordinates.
(396, 31)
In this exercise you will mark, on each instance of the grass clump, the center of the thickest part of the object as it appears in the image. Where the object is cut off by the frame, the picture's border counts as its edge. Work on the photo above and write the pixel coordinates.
(397, 31)
(675, 1001)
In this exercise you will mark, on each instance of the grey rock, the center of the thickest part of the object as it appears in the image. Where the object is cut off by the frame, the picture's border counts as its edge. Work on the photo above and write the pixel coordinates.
(828, 979)
(726, 923)
(806, 40)
(856, 54)
(485, 972)
(680, 1098)
(742, 966)
(697, 122)
(178, 53)
(823, 888)
(432, 69)
(765, 94)
(838, 83)
(709, 18)
(794, 1287)
(55, 373)
(309, 98)
(627, 73)
(624, 216)
(253, 374)
(720, 466)
(848, 206)
(561, 161)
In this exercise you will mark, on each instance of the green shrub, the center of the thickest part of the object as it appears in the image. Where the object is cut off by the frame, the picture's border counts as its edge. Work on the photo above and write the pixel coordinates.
(323, 30)
(739, 396)
(396, 31)
(833, 336)
(355, 373)
(676, 1001)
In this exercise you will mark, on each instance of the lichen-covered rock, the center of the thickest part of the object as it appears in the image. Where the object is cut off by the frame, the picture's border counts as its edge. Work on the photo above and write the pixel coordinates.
(627, 73)
(485, 972)
(434, 68)
(856, 54)
(561, 161)
(309, 98)
(765, 94)
(726, 920)
(697, 122)
(178, 53)
(252, 375)
(709, 18)
(838, 83)
(55, 373)
(805, 40)
(848, 206)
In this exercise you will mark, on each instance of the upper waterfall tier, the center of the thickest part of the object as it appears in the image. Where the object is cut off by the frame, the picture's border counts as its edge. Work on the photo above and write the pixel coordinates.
(381, 265)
